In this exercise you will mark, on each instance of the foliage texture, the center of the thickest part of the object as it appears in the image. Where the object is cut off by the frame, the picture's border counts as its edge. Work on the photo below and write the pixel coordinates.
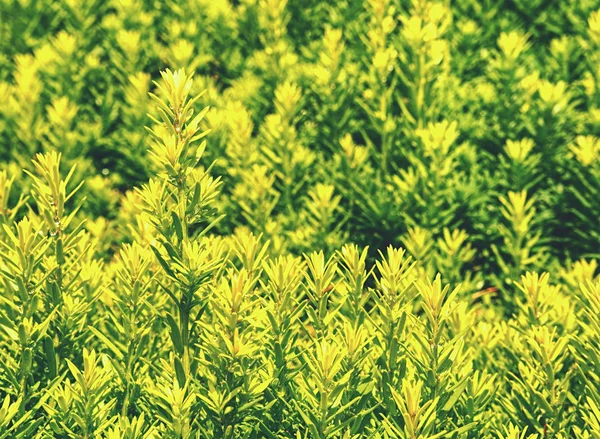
(299, 219)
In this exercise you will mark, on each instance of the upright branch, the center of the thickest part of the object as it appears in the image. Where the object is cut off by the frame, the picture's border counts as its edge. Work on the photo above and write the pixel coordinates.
(178, 201)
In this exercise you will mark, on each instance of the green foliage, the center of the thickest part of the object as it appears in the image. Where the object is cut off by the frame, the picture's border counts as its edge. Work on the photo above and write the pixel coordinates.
(324, 220)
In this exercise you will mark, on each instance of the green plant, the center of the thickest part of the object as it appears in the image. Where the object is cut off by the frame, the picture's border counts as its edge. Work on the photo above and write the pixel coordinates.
(390, 231)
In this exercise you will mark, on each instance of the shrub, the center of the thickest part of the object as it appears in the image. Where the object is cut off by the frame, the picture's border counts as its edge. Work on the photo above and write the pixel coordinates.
(383, 226)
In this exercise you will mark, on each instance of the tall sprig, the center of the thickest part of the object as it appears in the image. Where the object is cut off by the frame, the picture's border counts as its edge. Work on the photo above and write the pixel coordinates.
(177, 201)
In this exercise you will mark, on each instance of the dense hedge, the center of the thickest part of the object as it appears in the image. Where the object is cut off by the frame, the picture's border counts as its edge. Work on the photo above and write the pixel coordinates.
(360, 219)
